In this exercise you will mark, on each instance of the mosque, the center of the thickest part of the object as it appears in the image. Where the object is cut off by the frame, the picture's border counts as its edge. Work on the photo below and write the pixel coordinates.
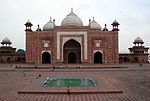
(72, 42)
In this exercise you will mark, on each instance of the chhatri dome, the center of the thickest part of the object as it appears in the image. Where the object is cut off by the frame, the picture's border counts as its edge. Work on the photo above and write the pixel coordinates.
(138, 40)
(95, 25)
(49, 25)
(71, 19)
(6, 41)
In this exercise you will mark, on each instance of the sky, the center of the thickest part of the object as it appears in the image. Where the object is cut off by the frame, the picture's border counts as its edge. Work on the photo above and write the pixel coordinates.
(133, 16)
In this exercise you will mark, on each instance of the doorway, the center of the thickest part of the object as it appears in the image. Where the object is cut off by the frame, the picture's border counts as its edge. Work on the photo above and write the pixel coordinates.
(98, 57)
(46, 58)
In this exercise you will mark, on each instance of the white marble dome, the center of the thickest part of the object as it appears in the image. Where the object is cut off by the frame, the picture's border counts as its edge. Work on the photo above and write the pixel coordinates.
(49, 25)
(72, 19)
(6, 41)
(95, 25)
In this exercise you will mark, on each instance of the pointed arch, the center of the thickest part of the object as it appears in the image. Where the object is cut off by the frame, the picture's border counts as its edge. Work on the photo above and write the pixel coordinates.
(46, 57)
(98, 57)
(72, 52)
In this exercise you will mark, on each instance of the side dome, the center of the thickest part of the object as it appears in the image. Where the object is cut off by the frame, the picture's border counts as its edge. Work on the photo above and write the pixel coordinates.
(49, 25)
(71, 19)
(95, 25)
(138, 40)
(6, 41)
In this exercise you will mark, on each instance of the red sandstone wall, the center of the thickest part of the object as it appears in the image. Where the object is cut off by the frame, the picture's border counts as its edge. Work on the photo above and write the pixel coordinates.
(34, 45)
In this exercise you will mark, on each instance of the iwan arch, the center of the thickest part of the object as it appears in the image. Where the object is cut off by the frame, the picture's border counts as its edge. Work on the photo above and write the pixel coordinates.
(72, 42)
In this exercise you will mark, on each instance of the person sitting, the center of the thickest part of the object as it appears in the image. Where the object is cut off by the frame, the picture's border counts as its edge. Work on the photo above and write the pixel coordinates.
(68, 90)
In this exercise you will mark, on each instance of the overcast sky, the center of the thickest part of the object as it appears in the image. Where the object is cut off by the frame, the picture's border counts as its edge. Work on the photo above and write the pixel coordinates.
(133, 16)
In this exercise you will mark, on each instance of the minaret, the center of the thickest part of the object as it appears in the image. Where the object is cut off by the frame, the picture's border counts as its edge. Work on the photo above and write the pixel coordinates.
(115, 26)
(28, 25)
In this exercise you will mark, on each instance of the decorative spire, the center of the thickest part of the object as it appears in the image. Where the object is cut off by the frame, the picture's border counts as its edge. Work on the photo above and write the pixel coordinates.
(38, 29)
(28, 25)
(71, 13)
(50, 19)
(105, 28)
(71, 9)
(93, 18)
(115, 25)
(28, 21)
(89, 22)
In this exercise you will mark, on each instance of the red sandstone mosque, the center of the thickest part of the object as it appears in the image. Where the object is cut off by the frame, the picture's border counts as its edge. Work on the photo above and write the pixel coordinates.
(72, 42)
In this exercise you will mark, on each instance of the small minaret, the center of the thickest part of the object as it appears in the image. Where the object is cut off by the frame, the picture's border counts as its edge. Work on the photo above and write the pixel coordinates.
(28, 25)
(38, 29)
(105, 28)
(89, 22)
(54, 22)
(115, 25)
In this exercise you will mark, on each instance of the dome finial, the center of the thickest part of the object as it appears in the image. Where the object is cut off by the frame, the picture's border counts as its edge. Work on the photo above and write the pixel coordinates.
(93, 18)
(105, 28)
(71, 9)
(28, 21)
(50, 19)
(38, 29)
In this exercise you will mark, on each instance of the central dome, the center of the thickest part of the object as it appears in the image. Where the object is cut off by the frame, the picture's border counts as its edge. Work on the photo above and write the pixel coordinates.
(72, 19)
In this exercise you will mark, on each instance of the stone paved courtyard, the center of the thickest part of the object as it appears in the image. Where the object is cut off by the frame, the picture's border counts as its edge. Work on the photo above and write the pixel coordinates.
(134, 81)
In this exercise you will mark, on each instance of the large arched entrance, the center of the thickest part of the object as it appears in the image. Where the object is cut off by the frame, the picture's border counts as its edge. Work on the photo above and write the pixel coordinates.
(46, 58)
(72, 52)
(98, 57)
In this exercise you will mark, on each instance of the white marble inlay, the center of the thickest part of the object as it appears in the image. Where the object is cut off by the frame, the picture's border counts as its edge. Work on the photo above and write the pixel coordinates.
(98, 51)
(46, 44)
(46, 51)
(67, 38)
(98, 43)
(73, 35)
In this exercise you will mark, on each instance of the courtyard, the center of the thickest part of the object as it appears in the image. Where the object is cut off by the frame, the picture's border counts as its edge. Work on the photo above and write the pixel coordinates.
(122, 82)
